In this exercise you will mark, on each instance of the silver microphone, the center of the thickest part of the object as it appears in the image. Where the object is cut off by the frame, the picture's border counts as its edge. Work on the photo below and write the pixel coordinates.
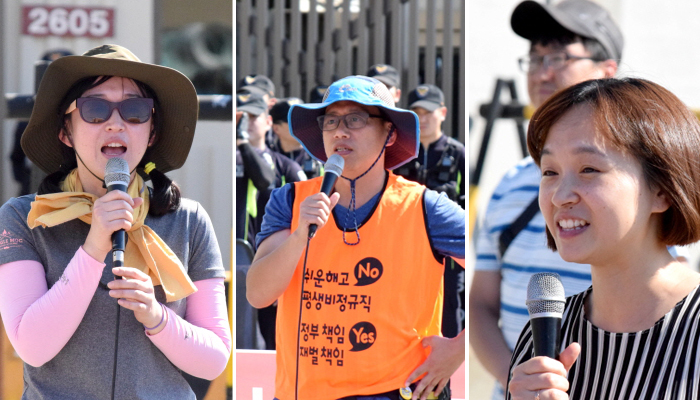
(117, 177)
(545, 304)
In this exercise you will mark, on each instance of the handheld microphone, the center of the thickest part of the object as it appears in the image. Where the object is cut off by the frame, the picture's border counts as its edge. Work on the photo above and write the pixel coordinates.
(117, 178)
(545, 304)
(333, 170)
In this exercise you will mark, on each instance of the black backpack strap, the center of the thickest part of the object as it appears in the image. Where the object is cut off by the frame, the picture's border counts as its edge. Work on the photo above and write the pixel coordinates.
(518, 225)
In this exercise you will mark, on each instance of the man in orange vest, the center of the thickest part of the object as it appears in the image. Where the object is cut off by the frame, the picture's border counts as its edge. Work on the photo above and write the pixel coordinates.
(359, 305)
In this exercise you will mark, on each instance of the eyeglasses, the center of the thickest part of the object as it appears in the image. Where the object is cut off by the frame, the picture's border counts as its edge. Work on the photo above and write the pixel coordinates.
(532, 63)
(96, 111)
(352, 121)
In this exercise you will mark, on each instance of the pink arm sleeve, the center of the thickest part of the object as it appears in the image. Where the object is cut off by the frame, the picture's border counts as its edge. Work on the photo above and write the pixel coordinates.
(39, 321)
(200, 344)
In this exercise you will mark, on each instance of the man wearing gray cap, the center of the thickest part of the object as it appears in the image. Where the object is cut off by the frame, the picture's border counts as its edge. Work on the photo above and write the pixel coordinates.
(570, 42)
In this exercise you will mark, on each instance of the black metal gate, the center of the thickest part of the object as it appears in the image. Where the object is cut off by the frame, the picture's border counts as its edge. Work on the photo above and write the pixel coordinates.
(300, 44)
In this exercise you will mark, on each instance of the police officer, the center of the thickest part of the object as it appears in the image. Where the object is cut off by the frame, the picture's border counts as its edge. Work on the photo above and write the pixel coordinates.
(263, 83)
(251, 198)
(390, 77)
(440, 166)
(285, 144)
(317, 93)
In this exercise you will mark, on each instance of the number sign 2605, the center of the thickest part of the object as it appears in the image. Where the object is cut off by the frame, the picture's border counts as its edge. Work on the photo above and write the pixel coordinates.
(68, 21)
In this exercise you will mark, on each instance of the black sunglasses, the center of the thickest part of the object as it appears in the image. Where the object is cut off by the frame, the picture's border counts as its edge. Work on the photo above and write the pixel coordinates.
(94, 110)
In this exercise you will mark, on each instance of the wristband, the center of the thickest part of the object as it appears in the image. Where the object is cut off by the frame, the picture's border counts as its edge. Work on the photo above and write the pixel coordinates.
(162, 318)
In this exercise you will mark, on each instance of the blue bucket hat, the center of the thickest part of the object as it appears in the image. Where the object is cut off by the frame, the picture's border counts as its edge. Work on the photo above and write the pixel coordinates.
(304, 127)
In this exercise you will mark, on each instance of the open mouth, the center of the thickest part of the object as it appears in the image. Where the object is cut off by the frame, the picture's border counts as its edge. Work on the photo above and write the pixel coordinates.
(343, 150)
(572, 224)
(113, 149)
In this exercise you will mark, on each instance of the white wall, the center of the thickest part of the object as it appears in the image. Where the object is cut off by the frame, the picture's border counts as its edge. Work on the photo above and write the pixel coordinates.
(207, 177)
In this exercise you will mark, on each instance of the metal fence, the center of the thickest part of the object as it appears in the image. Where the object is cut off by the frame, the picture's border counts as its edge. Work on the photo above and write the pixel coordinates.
(300, 44)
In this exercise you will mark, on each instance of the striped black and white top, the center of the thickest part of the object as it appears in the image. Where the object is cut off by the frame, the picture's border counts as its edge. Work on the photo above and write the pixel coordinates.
(662, 362)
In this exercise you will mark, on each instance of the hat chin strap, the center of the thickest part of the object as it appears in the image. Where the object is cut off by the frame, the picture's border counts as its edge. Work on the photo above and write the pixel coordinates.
(104, 185)
(70, 139)
(351, 208)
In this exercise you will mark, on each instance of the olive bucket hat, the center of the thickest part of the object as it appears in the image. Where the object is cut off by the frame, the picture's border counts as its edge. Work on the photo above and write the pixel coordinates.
(362, 90)
(177, 98)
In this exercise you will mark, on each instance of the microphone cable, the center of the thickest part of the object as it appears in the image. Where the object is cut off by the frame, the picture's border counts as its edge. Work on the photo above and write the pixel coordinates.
(301, 302)
(116, 344)
(334, 166)
(116, 352)
(117, 261)
(117, 177)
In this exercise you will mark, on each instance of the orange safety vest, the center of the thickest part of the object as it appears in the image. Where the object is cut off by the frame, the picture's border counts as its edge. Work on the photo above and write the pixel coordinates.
(365, 307)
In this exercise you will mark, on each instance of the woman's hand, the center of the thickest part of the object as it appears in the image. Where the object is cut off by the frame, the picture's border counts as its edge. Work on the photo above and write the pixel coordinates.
(111, 212)
(135, 292)
(316, 209)
(544, 378)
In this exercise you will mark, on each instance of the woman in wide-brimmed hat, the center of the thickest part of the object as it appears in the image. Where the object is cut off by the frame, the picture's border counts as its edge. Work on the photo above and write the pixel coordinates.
(81, 331)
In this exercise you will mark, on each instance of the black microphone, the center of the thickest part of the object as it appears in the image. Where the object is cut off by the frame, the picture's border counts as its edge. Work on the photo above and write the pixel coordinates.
(333, 170)
(117, 178)
(545, 304)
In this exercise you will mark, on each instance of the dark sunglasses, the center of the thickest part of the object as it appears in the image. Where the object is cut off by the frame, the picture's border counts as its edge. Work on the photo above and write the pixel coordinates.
(94, 110)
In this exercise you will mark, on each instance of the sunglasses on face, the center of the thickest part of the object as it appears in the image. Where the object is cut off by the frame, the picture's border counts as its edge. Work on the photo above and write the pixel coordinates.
(94, 110)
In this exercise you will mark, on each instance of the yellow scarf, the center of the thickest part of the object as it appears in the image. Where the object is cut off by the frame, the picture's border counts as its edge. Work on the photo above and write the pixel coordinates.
(145, 250)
